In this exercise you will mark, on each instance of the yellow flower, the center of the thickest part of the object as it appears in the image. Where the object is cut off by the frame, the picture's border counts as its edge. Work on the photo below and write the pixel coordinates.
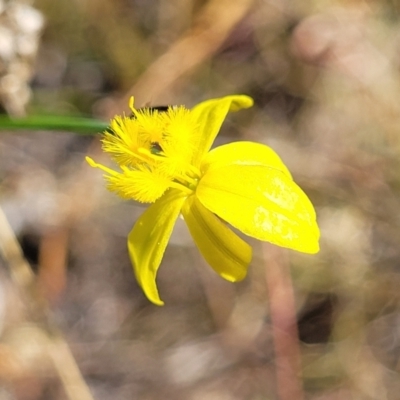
(165, 159)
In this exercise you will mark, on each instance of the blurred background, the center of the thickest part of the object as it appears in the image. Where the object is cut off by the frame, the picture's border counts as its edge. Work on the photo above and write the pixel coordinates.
(325, 77)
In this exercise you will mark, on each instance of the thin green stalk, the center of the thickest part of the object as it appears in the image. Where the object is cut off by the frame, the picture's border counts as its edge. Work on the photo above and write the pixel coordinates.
(82, 126)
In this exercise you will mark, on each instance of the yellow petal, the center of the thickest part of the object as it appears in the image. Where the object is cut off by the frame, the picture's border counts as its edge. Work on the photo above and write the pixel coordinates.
(226, 252)
(149, 238)
(209, 116)
(263, 203)
(243, 153)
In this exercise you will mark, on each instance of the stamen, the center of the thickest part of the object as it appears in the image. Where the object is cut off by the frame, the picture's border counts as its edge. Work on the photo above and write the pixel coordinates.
(187, 179)
(181, 187)
(132, 107)
(94, 164)
(131, 103)
(195, 171)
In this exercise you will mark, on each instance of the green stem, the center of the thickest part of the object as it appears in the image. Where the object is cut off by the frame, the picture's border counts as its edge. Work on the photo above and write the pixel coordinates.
(79, 125)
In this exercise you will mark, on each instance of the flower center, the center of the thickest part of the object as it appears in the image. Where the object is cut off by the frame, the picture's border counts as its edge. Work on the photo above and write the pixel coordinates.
(182, 175)
(155, 151)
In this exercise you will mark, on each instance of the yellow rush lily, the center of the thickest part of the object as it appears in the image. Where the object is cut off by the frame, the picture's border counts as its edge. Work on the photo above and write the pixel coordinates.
(165, 159)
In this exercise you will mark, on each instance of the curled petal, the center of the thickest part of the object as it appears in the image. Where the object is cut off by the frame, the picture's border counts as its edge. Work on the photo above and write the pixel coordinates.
(263, 203)
(243, 153)
(149, 238)
(226, 252)
(209, 116)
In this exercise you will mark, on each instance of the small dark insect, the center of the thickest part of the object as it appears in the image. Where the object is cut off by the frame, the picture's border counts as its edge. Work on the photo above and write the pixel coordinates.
(157, 108)
(155, 149)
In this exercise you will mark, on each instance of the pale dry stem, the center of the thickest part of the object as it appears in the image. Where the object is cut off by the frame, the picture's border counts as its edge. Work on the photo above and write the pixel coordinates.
(58, 350)
(284, 324)
(209, 31)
